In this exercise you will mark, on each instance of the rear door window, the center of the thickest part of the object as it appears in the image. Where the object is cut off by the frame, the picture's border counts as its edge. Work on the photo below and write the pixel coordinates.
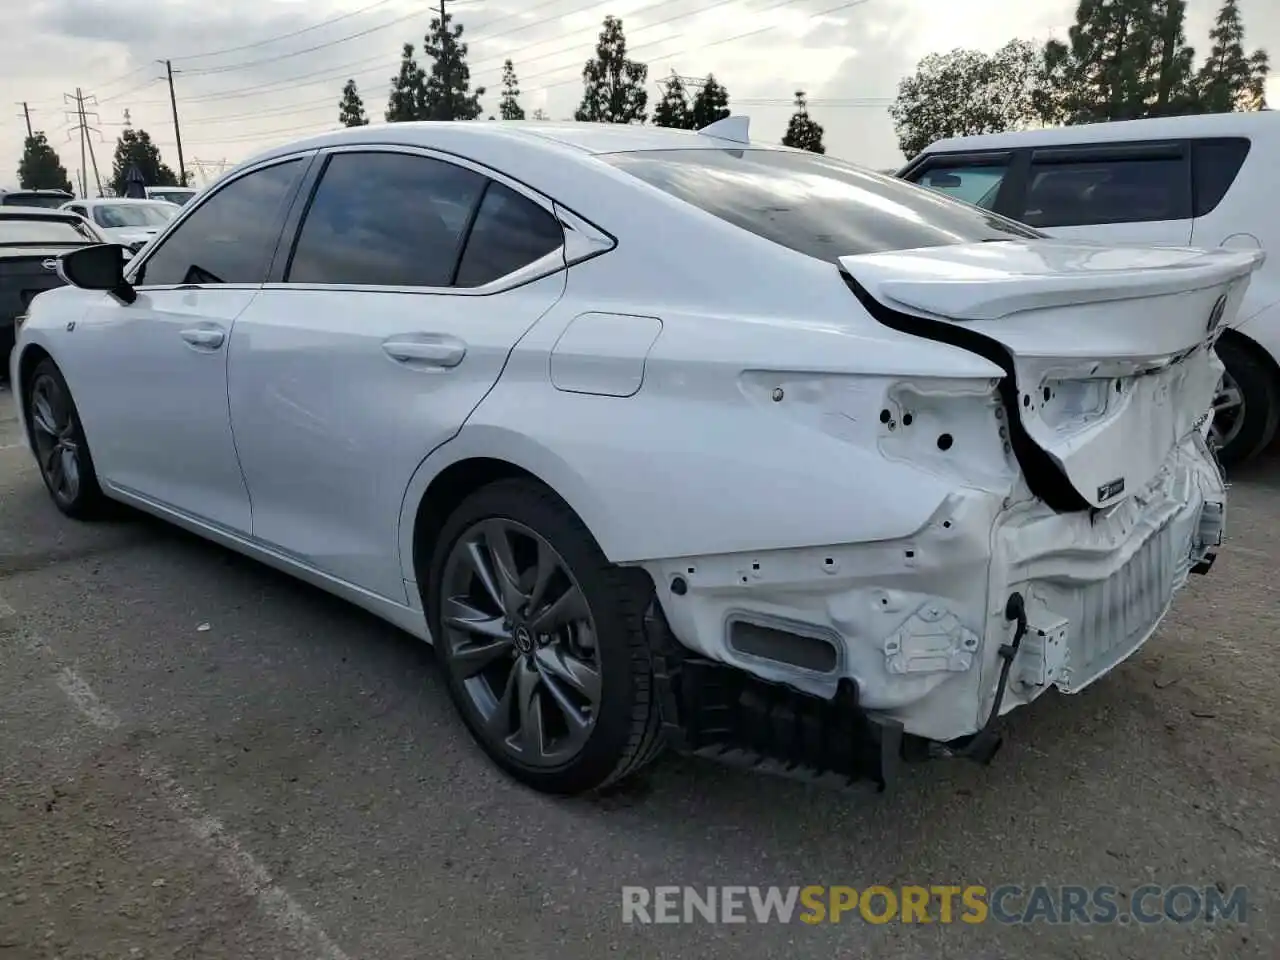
(1064, 192)
(1214, 165)
(386, 219)
(815, 204)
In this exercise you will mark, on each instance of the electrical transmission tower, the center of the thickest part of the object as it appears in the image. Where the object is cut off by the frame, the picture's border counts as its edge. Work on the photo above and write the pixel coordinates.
(79, 117)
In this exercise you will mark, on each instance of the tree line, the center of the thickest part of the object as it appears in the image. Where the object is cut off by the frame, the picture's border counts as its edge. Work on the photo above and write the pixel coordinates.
(614, 90)
(40, 168)
(1123, 60)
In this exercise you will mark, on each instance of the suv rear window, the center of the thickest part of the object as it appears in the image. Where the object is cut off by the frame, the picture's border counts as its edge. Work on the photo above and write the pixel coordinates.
(1214, 165)
(815, 204)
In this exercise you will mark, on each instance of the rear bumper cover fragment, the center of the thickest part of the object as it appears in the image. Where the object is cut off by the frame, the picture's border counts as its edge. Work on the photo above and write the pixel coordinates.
(722, 713)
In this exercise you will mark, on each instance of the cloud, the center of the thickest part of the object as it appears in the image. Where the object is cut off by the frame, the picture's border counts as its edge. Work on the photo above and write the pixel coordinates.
(847, 56)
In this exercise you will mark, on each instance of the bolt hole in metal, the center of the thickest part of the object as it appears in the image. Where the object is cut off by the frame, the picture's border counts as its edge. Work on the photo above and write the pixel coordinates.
(945, 441)
(522, 641)
(906, 419)
(54, 436)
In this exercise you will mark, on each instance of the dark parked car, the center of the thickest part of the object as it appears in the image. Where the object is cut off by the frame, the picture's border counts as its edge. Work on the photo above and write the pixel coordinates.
(30, 240)
(48, 199)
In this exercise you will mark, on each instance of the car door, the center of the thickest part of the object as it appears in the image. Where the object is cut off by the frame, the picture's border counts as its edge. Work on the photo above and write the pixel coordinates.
(151, 376)
(410, 279)
(1137, 193)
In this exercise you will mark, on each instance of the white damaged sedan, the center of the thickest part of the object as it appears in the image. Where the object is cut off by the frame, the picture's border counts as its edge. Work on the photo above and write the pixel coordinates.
(662, 437)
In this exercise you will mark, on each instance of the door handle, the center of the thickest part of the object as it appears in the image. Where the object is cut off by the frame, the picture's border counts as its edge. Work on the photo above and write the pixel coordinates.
(434, 350)
(210, 338)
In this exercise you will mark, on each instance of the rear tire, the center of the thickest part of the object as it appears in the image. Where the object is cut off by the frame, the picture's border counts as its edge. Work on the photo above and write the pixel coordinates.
(1249, 401)
(62, 452)
(585, 670)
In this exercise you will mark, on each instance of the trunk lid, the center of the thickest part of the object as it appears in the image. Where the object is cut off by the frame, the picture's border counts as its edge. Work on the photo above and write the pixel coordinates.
(1110, 349)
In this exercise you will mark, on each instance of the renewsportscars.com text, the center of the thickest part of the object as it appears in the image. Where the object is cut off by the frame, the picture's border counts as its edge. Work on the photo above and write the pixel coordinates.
(946, 904)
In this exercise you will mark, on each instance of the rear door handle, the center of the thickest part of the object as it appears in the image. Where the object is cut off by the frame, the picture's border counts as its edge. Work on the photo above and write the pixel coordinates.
(208, 337)
(432, 350)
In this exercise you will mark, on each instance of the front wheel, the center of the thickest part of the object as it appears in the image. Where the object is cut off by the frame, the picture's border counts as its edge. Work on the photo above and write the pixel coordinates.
(541, 641)
(1246, 409)
(61, 449)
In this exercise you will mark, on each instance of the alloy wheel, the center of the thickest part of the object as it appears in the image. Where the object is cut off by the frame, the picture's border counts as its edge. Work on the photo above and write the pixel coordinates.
(54, 435)
(1228, 412)
(521, 642)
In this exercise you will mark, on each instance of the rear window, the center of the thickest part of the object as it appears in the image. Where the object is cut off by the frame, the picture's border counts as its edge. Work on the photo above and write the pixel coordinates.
(815, 204)
(15, 230)
(1214, 165)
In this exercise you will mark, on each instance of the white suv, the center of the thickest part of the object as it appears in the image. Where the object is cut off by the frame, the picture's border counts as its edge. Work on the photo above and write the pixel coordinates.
(1202, 181)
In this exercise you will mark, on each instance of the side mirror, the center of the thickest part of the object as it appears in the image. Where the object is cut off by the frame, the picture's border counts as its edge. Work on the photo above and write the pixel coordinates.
(98, 267)
(943, 180)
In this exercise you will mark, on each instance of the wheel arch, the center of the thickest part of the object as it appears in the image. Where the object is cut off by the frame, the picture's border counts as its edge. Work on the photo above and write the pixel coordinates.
(30, 358)
(1257, 349)
(463, 465)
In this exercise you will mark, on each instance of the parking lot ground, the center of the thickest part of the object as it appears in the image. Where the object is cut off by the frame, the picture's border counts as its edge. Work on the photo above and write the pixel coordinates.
(202, 758)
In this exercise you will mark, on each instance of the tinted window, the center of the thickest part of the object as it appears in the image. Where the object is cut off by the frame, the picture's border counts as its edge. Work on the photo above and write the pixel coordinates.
(815, 204)
(231, 236)
(132, 215)
(386, 219)
(1082, 193)
(510, 231)
(972, 183)
(45, 230)
(1214, 165)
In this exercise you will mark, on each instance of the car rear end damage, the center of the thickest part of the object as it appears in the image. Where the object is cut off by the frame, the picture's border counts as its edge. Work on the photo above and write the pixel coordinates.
(1084, 496)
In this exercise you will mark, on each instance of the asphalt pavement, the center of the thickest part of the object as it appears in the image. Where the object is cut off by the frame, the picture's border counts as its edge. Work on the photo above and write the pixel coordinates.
(202, 758)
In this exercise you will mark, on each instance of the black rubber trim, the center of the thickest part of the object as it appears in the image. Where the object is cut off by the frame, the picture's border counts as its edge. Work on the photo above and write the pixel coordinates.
(717, 712)
(1045, 478)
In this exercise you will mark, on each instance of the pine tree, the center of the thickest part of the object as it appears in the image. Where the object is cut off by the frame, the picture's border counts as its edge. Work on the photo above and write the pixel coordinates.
(134, 148)
(710, 104)
(673, 109)
(1229, 80)
(1169, 73)
(509, 106)
(351, 107)
(613, 86)
(40, 168)
(448, 86)
(1110, 69)
(540, 114)
(803, 131)
(408, 90)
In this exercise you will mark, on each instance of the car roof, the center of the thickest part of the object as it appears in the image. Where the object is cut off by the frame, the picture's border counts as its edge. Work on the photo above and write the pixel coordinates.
(1160, 128)
(585, 138)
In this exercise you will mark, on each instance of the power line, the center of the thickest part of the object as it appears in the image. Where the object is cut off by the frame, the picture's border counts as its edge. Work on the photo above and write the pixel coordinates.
(284, 36)
(297, 53)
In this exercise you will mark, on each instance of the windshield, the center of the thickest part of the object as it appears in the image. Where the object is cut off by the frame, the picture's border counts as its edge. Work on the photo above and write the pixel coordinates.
(45, 230)
(815, 204)
(133, 215)
(47, 201)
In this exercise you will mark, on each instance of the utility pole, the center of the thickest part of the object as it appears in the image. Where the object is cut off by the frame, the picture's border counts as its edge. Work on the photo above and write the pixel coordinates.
(86, 143)
(445, 66)
(26, 113)
(177, 133)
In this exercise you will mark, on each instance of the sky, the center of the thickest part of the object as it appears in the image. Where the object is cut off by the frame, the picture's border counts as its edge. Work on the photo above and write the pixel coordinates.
(249, 74)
